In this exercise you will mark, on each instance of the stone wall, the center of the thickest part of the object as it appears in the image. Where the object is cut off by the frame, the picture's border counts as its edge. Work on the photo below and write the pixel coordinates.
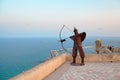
(116, 50)
(103, 58)
(98, 58)
(42, 70)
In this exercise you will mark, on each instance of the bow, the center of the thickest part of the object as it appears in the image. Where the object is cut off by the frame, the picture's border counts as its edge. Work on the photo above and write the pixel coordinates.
(63, 40)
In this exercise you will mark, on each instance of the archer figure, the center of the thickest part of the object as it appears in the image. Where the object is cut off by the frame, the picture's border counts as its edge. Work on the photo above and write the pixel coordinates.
(77, 46)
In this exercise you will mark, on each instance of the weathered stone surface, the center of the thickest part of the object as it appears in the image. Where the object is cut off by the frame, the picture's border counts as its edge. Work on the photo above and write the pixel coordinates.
(90, 71)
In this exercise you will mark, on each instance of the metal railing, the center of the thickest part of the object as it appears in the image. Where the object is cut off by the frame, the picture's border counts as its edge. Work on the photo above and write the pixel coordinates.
(87, 49)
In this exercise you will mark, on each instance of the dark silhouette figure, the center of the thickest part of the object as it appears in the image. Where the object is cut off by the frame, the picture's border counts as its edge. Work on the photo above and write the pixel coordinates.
(77, 46)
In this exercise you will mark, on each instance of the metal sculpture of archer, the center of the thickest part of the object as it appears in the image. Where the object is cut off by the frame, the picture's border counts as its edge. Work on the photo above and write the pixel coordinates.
(77, 38)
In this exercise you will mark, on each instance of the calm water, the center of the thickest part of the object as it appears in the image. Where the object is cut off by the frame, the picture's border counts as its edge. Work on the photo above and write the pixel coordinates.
(20, 54)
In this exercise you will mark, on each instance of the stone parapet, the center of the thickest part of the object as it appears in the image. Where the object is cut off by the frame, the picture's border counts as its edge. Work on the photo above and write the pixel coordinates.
(42, 70)
(98, 58)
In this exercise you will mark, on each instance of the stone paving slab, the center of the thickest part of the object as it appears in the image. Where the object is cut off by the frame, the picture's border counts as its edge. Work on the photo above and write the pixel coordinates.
(90, 71)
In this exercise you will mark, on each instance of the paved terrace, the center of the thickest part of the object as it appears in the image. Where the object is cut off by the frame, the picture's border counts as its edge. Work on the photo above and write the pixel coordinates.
(90, 71)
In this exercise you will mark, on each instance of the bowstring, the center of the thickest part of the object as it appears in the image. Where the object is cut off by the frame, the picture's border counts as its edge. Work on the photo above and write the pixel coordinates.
(71, 32)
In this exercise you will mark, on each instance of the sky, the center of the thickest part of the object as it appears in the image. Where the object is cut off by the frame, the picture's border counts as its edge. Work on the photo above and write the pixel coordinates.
(45, 18)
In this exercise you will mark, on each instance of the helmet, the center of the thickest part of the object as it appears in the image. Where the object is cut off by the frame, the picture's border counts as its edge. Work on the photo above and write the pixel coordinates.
(75, 29)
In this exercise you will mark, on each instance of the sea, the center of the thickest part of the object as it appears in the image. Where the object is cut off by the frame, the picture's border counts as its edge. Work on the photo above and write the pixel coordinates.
(21, 54)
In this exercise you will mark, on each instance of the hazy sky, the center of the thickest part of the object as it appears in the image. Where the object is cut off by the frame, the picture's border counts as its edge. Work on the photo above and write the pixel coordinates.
(44, 18)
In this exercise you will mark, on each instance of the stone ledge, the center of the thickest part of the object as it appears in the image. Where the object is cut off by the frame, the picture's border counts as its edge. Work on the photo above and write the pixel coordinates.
(97, 58)
(42, 70)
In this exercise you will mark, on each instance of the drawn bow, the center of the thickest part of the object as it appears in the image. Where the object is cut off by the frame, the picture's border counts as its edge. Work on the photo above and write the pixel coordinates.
(63, 40)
